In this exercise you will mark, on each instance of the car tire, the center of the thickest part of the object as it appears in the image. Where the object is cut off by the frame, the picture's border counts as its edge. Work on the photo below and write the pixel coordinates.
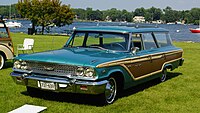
(164, 75)
(110, 94)
(2, 61)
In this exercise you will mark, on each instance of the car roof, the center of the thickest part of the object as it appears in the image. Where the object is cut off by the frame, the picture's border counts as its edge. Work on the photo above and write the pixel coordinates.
(121, 29)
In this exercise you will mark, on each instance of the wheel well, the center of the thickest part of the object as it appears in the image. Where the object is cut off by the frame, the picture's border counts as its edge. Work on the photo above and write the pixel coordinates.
(3, 54)
(168, 66)
(119, 79)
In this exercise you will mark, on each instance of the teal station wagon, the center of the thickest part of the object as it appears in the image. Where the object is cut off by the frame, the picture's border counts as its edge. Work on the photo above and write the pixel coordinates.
(101, 61)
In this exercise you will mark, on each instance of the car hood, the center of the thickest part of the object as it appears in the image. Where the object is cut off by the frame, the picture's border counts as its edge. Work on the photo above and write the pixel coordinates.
(75, 56)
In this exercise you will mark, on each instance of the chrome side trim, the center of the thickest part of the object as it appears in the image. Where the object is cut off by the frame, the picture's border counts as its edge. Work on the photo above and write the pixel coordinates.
(136, 59)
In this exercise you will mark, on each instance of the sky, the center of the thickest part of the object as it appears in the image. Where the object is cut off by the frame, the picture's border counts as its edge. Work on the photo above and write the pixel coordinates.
(129, 5)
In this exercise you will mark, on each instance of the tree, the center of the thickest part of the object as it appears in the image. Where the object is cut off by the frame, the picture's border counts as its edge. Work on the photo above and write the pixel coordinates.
(126, 16)
(114, 14)
(80, 13)
(94, 15)
(195, 15)
(45, 12)
(170, 15)
(153, 14)
(140, 12)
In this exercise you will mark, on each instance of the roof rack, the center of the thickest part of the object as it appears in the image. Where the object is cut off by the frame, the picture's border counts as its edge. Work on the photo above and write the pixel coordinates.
(137, 25)
(145, 26)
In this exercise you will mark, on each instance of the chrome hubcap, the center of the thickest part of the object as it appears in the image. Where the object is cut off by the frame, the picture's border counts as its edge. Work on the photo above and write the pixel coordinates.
(1, 61)
(110, 92)
(164, 75)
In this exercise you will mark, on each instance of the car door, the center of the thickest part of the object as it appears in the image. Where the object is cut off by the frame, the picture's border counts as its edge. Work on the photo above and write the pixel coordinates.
(148, 60)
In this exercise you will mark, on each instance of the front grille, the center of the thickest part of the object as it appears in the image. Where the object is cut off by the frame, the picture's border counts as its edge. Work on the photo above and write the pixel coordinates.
(51, 68)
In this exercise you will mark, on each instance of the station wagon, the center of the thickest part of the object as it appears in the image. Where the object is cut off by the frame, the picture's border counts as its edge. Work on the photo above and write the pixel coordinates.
(100, 60)
(6, 46)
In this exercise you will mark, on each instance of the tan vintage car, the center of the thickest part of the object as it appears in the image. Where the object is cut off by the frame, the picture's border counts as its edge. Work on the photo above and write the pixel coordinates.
(6, 45)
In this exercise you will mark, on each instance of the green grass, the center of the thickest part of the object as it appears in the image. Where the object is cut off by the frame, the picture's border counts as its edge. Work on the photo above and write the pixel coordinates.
(180, 93)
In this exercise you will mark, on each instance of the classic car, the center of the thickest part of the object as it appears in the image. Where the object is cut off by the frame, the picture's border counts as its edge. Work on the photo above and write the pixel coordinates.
(101, 61)
(6, 46)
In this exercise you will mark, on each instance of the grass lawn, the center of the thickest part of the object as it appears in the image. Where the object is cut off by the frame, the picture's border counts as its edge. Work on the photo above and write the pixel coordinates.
(180, 93)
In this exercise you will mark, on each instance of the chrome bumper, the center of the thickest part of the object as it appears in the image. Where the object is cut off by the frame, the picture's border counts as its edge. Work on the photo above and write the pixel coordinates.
(181, 62)
(61, 84)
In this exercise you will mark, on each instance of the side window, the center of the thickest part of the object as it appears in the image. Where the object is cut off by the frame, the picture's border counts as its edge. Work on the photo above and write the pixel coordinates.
(163, 39)
(137, 41)
(93, 39)
(148, 40)
(3, 33)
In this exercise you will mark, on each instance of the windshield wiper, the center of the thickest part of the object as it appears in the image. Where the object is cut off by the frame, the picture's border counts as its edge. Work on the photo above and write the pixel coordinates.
(98, 47)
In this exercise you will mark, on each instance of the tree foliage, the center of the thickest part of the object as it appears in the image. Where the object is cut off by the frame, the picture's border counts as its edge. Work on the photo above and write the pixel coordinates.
(45, 12)
(32, 9)
(151, 14)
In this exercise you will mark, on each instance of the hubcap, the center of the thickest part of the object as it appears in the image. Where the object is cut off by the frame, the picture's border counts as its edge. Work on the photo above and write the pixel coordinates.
(1, 61)
(111, 90)
(164, 75)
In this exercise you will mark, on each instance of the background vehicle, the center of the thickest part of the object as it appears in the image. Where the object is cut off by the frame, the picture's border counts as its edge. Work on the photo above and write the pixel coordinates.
(6, 45)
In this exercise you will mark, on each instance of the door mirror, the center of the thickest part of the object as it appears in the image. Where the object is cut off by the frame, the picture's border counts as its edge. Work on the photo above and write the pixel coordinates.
(134, 50)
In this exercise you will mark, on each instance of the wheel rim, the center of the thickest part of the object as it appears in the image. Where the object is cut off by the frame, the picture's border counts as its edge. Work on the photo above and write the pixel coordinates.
(1, 61)
(111, 90)
(164, 75)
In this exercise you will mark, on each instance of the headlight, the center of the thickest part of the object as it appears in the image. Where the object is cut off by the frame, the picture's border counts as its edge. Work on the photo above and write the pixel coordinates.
(80, 71)
(17, 64)
(84, 72)
(89, 72)
(20, 65)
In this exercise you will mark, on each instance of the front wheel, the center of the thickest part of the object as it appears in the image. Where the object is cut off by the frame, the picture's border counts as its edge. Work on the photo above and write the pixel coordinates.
(110, 93)
(2, 61)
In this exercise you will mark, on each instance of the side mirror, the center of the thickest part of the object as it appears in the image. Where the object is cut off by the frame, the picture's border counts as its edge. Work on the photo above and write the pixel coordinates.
(134, 50)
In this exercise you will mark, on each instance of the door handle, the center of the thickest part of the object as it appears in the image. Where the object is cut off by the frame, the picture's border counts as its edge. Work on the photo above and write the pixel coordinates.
(150, 58)
(164, 56)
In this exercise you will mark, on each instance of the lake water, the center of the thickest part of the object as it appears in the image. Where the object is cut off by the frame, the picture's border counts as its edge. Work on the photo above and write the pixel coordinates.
(183, 33)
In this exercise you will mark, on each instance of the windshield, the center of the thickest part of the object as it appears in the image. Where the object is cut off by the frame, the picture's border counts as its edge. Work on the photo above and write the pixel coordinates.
(100, 40)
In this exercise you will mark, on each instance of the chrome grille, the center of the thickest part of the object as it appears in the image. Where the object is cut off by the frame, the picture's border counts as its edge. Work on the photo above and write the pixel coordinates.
(51, 68)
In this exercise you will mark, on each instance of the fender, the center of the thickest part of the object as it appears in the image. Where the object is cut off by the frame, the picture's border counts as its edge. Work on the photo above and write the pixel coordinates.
(121, 70)
(7, 51)
(168, 66)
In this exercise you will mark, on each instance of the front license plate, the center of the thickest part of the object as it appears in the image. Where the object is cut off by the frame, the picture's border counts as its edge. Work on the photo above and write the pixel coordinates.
(46, 85)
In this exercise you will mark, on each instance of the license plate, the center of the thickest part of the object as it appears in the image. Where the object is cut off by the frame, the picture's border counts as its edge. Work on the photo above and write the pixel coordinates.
(46, 85)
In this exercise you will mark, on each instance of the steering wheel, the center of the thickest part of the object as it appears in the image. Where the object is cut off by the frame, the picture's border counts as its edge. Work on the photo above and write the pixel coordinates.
(119, 45)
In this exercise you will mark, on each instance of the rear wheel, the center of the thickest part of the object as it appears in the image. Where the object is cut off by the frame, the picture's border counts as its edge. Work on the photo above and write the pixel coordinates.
(2, 61)
(110, 93)
(164, 75)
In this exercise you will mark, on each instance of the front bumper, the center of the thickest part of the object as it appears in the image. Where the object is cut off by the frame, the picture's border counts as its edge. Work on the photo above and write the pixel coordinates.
(61, 84)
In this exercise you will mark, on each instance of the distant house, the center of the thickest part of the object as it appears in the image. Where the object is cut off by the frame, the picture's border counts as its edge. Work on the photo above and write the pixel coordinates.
(108, 19)
(139, 19)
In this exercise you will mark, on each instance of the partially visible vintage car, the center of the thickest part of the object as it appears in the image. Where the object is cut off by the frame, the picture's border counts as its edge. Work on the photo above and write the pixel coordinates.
(6, 45)
(101, 61)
